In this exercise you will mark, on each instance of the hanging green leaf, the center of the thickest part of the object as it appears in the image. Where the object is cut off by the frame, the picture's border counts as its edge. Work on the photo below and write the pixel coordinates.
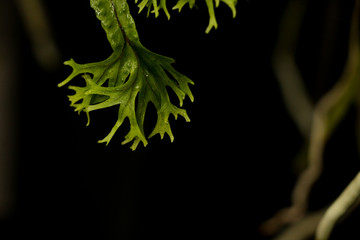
(129, 79)
(154, 6)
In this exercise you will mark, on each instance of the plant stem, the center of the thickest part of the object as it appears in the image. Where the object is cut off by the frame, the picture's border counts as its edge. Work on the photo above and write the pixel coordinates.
(348, 198)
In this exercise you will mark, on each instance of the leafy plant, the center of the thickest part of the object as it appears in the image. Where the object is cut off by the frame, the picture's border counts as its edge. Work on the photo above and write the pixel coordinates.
(133, 76)
(155, 8)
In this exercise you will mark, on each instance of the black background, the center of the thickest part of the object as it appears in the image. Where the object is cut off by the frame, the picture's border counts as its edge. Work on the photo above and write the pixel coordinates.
(227, 171)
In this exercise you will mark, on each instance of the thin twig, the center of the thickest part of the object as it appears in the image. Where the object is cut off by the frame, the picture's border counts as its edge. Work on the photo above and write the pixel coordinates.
(296, 98)
(326, 115)
(302, 229)
(38, 27)
(341, 206)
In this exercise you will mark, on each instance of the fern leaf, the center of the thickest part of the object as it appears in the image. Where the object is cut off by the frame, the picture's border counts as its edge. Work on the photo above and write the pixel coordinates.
(154, 7)
(130, 78)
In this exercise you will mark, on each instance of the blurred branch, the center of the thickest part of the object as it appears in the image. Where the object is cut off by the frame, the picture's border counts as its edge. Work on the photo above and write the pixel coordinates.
(345, 202)
(292, 87)
(351, 195)
(37, 25)
(326, 115)
(294, 93)
(303, 229)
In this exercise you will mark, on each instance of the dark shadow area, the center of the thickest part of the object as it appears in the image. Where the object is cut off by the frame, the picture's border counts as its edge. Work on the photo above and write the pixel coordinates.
(227, 171)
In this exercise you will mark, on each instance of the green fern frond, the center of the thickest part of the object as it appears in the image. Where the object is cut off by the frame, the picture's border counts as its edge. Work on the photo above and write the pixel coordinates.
(154, 6)
(130, 78)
